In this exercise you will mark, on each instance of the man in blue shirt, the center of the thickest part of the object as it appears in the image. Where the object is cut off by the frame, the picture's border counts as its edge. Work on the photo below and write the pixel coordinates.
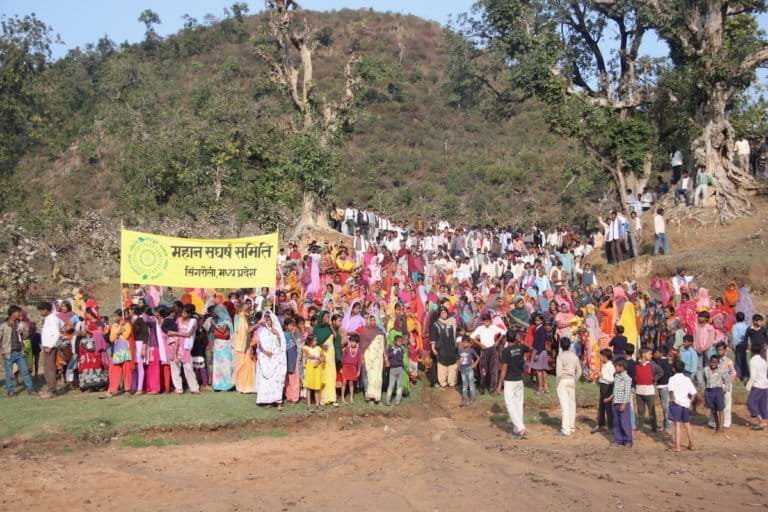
(689, 357)
(738, 333)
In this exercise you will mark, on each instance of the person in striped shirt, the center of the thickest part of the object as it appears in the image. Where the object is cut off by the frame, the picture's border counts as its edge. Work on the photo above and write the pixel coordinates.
(622, 405)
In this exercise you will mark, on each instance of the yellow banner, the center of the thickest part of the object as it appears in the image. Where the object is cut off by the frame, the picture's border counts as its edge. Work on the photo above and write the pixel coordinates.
(185, 262)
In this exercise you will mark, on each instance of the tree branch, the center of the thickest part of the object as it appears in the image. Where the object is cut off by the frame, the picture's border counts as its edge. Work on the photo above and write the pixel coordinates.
(589, 148)
(754, 59)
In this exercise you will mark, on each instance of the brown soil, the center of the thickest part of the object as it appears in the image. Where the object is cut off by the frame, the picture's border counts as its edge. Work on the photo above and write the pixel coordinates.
(435, 457)
(713, 253)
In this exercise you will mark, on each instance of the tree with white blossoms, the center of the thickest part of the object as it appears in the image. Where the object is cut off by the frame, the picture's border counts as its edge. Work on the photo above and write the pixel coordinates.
(17, 251)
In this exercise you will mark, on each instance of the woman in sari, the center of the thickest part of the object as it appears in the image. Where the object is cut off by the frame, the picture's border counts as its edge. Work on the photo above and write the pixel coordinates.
(745, 304)
(91, 374)
(651, 326)
(353, 320)
(245, 365)
(722, 316)
(293, 342)
(702, 302)
(271, 363)
(591, 340)
(686, 312)
(628, 320)
(373, 358)
(661, 288)
(325, 338)
(157, 354)
(327, 268)
(367, 334)
(223, 358)
(731, 295)
(345, 266)
(315, 286)
(668, 328)
(519, 317)
(565, 322)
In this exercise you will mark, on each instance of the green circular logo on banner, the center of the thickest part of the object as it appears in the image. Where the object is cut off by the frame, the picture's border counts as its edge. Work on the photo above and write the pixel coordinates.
(148, 258)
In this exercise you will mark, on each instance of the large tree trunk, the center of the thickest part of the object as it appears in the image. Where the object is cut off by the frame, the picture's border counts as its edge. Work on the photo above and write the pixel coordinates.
(313, 218)
(713, 148)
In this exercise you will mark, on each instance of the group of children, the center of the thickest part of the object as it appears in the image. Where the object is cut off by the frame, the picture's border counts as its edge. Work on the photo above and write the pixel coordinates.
(629, 388)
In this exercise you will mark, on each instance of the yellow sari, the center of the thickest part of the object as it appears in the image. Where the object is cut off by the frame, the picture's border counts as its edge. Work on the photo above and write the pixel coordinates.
(628, 320)
(245, 367)
(328, 393)
(374, 367)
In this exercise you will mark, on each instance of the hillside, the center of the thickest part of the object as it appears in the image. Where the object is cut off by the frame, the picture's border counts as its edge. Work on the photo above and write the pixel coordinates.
(187, 135)
(408, 149)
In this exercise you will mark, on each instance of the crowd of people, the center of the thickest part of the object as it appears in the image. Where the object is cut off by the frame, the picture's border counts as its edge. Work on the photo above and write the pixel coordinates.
(478, 309)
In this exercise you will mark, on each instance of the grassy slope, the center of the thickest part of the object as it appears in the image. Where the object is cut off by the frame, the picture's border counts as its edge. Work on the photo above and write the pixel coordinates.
(408, 155)
(89, 418)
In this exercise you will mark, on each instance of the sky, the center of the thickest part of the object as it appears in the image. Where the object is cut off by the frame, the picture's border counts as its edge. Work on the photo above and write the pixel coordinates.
(79, 22)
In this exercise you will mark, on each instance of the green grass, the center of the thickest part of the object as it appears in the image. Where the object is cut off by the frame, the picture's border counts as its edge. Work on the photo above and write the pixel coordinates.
(136, 441)
(587, 394)
(272, 432)
(90, 419)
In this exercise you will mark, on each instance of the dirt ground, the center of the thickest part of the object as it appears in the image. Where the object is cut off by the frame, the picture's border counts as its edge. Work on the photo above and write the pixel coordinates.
(428, 457)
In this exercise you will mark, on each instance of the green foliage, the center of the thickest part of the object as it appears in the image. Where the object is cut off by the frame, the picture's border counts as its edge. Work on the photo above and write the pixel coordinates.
(194, 133)
(25, 47)
(324, 37)
(750, 116)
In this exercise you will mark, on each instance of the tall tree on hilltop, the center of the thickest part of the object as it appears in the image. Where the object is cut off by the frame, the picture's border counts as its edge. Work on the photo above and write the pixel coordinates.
(595, 90)
(290, 62)
(718, 45)
(604, 92)
(25, 52)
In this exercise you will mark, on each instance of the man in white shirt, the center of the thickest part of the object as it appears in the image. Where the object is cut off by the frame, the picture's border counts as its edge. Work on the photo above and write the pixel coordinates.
(742, 153)
(49, 337)
(676, 161)
(488, 335)
(660, 230)
(614, 238)
(350, 220)
(567, 371)
(685, 189)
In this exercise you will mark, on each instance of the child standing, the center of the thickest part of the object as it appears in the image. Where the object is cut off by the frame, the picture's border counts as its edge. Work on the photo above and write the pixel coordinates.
(607, 374)
(647, 373)
(619, 343)
(312, 355)
(714, 396)
(351, 363)
(728, 370)
(681, 392)
(468, 360)
(661, 358)
(394, 362)
(622, 405)
(757, 401)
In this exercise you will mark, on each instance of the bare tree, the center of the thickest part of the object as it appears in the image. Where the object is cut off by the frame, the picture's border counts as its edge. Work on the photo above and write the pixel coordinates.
(291, 67)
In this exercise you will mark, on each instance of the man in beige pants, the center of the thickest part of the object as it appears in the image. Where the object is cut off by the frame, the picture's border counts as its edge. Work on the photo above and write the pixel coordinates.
(567, 371)
(49, 337)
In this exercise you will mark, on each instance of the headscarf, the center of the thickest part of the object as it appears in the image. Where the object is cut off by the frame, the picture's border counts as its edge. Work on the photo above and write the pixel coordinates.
(703, 304)
(745, 304)
(731, 295)
(351, 322)
(660, 290)
(315, 286)
(241, 341)
(322, 331)
(222, 318)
